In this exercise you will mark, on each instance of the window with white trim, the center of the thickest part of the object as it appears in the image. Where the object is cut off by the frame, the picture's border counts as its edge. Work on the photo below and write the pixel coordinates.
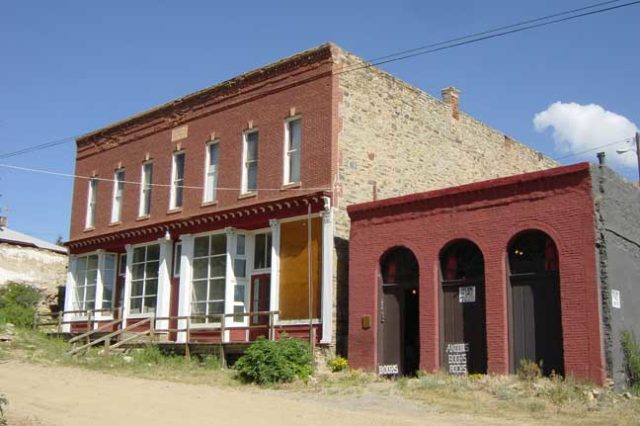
(108, 276)
(144, 279)
(211, 172)
(262, 251)
(177, 180)
(250, 161)
(146, 179)
(209, 276)
(86, 277)
(118, 193)
(293, 140)
(92, 196)
(240, 274)
(177, 256)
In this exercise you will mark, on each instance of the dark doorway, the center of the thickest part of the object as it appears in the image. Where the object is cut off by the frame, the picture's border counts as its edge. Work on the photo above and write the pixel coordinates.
(464, 331)
(260, 297)
(536, 320)
(398, 339)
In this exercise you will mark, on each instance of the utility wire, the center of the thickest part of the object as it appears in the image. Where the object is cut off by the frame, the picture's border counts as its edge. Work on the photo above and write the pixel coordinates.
(49, 172)
(38, 147)
(594, 148)
(486, 37)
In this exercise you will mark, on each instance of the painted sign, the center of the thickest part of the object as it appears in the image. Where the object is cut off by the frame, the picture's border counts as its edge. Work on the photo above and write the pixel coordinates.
(615, 299)
(388, 370)
(467, 294)
(457, 357)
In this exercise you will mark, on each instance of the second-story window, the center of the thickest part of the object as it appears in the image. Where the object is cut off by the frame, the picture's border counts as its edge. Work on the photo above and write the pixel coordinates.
(211, 176)
(118, 193)
(250, 159)
(92, 196)
(145, 189)
(293, 138)
(177, 180)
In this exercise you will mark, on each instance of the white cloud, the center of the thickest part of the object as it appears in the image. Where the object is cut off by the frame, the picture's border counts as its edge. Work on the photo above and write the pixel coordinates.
(578, 128)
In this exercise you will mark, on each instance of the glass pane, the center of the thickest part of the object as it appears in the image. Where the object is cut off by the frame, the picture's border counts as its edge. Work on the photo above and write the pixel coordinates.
(268, 250)
(240, 267)
(240, 242)
(238, 294)
(213, 154)
(216, 290)
(259, 252)
(106, 303)
(151, 287)
(153, 252)
(79, 297)
(218, 244)
(92, 262)
(92, 277)
(138, 254)
(177, 260)
(198, 308)
(82, 264)
(238, 310)
(200, 268)
(123, 264)
(201, 247)
(179, 166)
(110, 261)
(252, 176)
(108, 278)
(218, 265)
(149, 304)
(199, 291)
(294, 134)
(90, 305)
(178, 200)
(107, 297)
(137, 271)
(294, 166)
(81, 278)
(136, 288)
(136, 305)
(252, 146)
(91, 293)
(151, 269)
(212, 183)
(216, 308)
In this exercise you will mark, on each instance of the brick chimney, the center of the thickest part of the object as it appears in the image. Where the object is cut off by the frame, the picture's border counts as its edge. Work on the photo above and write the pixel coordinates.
(451, 97)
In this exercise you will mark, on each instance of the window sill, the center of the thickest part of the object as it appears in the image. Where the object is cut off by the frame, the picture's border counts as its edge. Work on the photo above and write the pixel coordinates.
(141, 218)
(115, 223)
(247, 195)
(209, 203)
(139, 316)
(175, 210)
(89, 229)
(290, 185)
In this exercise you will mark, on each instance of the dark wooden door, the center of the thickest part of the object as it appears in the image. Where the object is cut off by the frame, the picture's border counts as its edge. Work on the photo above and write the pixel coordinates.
(391, 331)
(260, 301)
(536, 322)
(464, 349)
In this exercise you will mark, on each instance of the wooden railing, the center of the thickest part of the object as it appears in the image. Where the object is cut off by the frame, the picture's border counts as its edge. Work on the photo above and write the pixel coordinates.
(87, 316)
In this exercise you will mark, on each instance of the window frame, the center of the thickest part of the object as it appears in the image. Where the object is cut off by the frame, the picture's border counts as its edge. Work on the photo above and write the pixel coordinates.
(177, 183)
(80, 305)
(144, 205)
(92, 201)
(209, 322)
(143, 295)
(286, 167)
(208, 188)
(118, 195)
(245, 162)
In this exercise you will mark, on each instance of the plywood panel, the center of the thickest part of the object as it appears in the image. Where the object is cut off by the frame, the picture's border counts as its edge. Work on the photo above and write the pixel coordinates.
(294, 298)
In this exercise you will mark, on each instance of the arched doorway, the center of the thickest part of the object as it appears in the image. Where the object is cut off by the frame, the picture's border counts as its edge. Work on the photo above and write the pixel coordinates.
(536, 320)
(398, 331)
(463, 324)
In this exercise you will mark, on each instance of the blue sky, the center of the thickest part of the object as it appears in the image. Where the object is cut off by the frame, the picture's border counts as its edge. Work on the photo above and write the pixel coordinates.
(71, 67)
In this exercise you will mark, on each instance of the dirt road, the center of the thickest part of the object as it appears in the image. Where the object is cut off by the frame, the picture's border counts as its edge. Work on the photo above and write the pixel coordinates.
(50, 395)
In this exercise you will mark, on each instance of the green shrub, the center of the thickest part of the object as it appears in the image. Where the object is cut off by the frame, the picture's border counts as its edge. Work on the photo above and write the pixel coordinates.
(529, 371)
(337, 364)
(268, 361)
(631, 352)
(18, 303)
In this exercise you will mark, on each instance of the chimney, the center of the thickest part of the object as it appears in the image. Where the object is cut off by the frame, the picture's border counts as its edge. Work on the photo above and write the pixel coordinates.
(3, 222)
(601, 156)
(451, 97)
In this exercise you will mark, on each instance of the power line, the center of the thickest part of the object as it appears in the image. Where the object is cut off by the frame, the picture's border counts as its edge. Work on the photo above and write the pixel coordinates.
(38, 147)
(162, 185)
(594, 148)
(485, 37)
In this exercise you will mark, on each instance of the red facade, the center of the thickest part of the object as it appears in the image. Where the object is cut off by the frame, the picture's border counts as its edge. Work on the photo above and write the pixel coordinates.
(490, 214)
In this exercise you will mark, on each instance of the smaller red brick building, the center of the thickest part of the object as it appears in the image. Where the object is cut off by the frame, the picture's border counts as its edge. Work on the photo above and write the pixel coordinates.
(475, 278)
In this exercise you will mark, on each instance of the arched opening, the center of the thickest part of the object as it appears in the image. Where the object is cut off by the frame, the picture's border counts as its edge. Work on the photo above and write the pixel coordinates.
(463, 324)
(398, 338)
(536, 320)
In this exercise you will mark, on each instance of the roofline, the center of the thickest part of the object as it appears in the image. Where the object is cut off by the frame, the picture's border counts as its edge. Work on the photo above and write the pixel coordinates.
(62, 250)
(315, 54)
(356, 209)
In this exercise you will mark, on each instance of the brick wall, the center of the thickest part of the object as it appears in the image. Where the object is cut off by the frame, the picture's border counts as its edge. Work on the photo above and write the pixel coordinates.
(558, 202)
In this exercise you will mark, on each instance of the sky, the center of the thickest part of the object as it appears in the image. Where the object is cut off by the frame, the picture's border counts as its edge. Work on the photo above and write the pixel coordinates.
(70, 67)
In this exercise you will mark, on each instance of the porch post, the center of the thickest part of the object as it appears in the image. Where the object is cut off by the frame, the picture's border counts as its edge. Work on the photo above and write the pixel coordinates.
(327, 276)
(127, 285)
(184, 291)
(274, 295)
(164, 283)
(69, 292)
(99, 288)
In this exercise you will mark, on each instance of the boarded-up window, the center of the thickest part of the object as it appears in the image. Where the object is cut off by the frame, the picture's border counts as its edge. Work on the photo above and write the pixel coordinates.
(294, 294)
